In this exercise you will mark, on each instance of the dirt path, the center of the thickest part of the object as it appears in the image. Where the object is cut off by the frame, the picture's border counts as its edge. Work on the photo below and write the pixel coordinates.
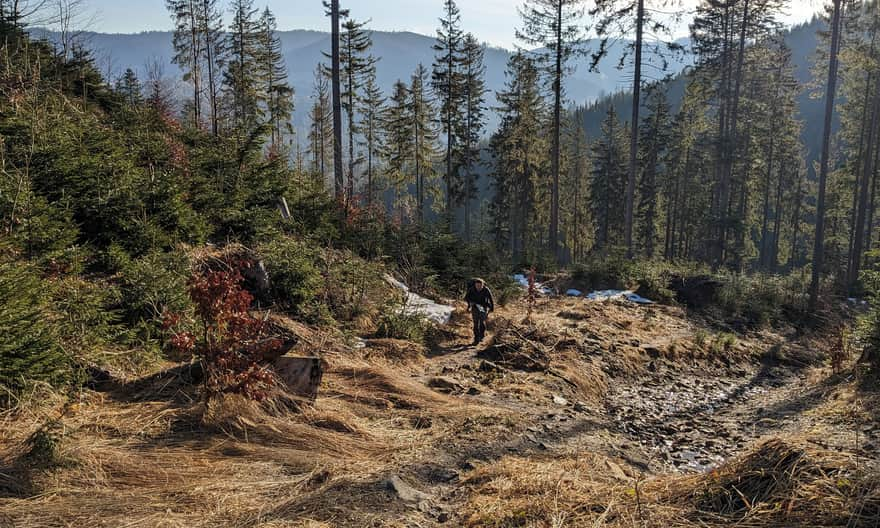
(673, 416)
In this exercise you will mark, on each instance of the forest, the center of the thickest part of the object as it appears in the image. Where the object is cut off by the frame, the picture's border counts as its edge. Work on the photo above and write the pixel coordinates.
(210, 316)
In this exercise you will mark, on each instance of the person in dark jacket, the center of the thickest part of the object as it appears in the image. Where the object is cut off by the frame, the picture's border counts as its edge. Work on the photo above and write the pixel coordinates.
(480, 304)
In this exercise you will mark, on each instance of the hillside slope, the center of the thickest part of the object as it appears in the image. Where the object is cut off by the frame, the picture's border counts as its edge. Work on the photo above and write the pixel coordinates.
(550, 422)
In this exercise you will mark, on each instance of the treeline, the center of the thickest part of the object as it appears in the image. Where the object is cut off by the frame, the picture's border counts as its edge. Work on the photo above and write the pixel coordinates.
(724, 179)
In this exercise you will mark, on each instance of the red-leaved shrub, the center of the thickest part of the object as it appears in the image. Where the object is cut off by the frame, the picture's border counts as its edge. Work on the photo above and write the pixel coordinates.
(232, 344)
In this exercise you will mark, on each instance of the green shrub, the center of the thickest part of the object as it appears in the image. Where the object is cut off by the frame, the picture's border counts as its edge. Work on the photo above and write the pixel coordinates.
(868, 330)
(30, 350)
(88, 320)
(504, 289)
(652, 280)
(600, 273)
(294, 274)
(395, 324)
(353, 287)
(151, 286)
(762, 299)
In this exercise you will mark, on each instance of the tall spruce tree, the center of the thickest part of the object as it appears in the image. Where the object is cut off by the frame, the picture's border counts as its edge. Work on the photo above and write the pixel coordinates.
(653, 150)
(335, 14)
(356, 64)
(609, 164)
(575, 197)
(721, 33)
(188, 46)
(830, 95)
(447, 80)
(421, 112)
(471, 127)
(240, 79)
(555, 26)
(372, 110)
(209, 21)
(321, 126)
(277, 95)
(397, 144)
(519, 151)
(619, 19)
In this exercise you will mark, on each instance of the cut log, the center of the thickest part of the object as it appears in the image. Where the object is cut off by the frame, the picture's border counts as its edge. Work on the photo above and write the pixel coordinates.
(301, 376)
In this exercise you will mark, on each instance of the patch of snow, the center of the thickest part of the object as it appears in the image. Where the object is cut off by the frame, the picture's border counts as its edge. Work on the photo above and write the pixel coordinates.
(524, 282)
(626, 294)
(415, 304)
(574, 293)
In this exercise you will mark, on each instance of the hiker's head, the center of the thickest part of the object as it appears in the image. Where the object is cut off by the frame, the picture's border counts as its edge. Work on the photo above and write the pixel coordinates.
(478, 284)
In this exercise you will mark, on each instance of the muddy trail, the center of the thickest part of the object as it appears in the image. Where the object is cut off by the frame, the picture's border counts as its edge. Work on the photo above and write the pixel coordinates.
(684, 411)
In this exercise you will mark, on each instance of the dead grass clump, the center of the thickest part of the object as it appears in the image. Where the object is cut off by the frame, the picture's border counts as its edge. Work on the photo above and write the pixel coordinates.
(543, 492)
(395, 351)
(518, 348)
(587, 379)
(382, 388)
(782, 484)
(333, 434)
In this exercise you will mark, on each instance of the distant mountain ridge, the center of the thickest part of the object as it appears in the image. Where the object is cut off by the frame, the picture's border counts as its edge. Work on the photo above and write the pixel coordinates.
(399, 53)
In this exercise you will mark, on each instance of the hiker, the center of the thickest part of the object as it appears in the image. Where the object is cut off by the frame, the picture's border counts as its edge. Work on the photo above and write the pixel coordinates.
(480, 304)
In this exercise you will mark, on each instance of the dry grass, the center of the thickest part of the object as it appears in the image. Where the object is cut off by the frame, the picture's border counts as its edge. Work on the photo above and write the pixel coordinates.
(778, 484)
(151, 454)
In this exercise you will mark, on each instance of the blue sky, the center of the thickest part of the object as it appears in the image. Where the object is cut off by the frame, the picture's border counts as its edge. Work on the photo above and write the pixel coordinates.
(492, 21)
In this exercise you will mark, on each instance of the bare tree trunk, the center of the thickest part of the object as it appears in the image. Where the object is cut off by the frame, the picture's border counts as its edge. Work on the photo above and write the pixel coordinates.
(860, 160)
(196, 70)
(557, 112)
(339, 187)
(731, 148)
(634, 130)
(210, 58)
(864, 178)
(764, 251)
(830, 91)
(869, 235)
(350, 115)
(777, 221)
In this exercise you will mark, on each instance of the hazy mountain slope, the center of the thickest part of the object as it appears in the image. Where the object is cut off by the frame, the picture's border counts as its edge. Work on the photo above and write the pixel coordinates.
(399, 54)
(801, 39)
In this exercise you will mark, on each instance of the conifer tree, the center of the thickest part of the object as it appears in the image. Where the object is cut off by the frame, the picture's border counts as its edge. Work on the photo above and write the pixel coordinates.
(652, 168)
(239, 78)
(421, 112)
(471, 127)
(620, 19)
(188, 46)
(519, 150)
(355, 64)
(372, 110)
(721, 34)
(277, 94)
(335, 14)
(830, 95)
(321, 126)
(447, 80)
(575, 196)
(129, 87)
(607, 182)
(554, 25)
(210, 28)
(397, 145)
(30, 350)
